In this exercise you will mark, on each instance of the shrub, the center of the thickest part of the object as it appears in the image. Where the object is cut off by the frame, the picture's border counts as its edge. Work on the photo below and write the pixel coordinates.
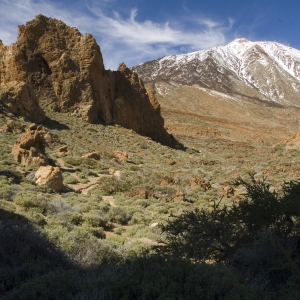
(260, 235)
(28, 200)
(69, 179)
(96, 220)
(119, 215)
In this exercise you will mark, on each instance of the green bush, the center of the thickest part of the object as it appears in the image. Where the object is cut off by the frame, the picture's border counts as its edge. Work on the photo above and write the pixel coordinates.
(259, 235)
(69, 179)
(29, 200)
(97, 220)
(119, 215)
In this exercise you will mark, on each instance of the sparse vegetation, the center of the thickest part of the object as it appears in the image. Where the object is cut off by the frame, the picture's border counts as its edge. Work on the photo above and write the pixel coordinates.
(105, 226)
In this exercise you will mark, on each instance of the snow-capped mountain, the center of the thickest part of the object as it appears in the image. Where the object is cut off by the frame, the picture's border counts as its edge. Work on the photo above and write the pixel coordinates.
(256, 70)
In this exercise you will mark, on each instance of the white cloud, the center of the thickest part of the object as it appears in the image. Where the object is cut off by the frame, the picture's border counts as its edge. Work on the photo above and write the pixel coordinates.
(120, 38)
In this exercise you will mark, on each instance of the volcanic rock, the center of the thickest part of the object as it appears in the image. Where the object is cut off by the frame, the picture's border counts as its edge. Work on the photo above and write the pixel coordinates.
(178, 196)
(50, 176)
(120, 156)
(226, 191)
(167, 181)
(196, 182)
(92, 155)
(19, 98)
(65, 70)
(29, 149)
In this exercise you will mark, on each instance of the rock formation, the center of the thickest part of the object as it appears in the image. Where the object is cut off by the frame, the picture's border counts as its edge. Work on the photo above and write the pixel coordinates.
(64, 70)
(29, 149)
(64, 150)
(196, 182)
(178, 196)
(50, 176)
(226, 191)
(19, 98)
(92, 155)
(120, 156)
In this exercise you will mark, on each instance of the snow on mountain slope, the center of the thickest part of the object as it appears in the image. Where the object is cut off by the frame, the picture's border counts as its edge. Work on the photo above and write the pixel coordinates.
(259, 70)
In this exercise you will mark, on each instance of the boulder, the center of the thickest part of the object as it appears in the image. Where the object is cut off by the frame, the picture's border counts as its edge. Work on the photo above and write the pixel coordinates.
(64, 150)
(178, 196)
(142, 193)
(167, 181)
(29, 149)
(50, 176)
(226, 191)
(92, 155)
(120, 156)
(196, 182)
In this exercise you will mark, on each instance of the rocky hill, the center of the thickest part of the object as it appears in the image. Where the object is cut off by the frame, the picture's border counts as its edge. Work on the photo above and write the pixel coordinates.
(54, 65)
(265, 71)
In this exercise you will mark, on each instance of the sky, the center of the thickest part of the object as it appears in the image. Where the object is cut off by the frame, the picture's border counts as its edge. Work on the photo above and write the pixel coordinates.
(136, 31)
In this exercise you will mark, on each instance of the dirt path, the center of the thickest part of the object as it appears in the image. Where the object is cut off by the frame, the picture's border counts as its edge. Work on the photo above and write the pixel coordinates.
(110, 200)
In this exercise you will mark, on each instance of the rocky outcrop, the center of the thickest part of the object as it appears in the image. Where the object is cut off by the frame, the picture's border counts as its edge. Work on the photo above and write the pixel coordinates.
(92, 155)
(120, 156)
(196, 182)
(29, 149)
(64, 150)
(66, 72)
(19, 98)
(226, 191)
(50, 176)
(178, 196)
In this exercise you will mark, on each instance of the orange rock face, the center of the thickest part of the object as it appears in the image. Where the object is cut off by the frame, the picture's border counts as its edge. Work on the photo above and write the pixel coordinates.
(178, 196)
(121, 156)
(226, 191)
(29, 149)
(65, 71)
(19, 98)
(196, 182)
(50, 176)
(92, 155)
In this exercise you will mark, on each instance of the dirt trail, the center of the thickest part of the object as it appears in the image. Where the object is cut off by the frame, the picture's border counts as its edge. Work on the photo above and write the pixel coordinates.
(110, 200)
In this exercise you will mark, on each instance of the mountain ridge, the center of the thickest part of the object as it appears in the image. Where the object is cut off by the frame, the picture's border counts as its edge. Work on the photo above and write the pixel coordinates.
(267, 71)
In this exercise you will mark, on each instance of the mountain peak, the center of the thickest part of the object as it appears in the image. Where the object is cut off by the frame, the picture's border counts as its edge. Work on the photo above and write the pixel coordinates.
(267, 71)
(240, 40)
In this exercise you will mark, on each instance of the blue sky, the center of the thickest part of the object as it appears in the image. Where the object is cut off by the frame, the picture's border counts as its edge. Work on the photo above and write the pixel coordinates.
(135, 31)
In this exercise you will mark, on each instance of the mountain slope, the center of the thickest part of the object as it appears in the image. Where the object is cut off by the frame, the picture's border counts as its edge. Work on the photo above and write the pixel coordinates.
(265, 71)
